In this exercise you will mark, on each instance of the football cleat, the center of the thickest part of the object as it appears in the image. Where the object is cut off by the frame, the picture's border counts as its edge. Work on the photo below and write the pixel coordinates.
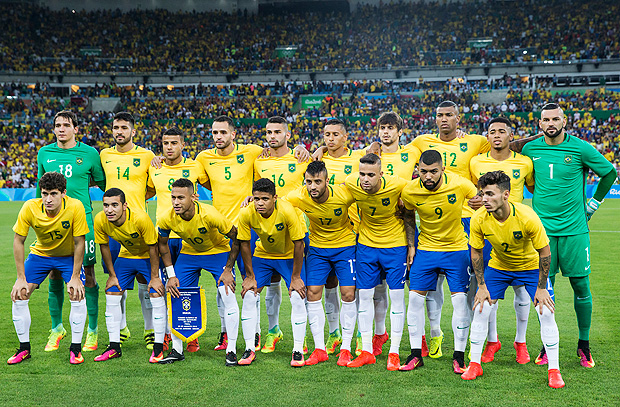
(344, 357)
(365, 358)
(156, 358)
(434, 349)
(247, 358)
(473, 370)
(318, 356)
(424, 347)
(271, 340)
(53, 341)
(194, 346)
(172, 357)
(305, 345)
(541, 359)
(358, 344)
(149, 338)
(393, 362)
(412, 363)
(297, 360)
(167, 340)
(555, 379)
(19, 356)
(333, 341)
(523, 355)
(222, 341)
(585, 357)
(75, 359)
(257, 342)
(125, 334)
(458, 364)
(489, 351)
(91, 341)
(231, 359)
(377, 343)
(110, 353)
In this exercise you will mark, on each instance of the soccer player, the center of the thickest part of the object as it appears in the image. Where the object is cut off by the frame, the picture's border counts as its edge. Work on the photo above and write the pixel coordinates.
(126, 167)
(332, 250)
(521, 172)
(561, 165)
(381, 248)
(516, 235)
(135, 232)
(205, 233)
(80, 165)
(279, 249)
(438, 198)
(59, 223)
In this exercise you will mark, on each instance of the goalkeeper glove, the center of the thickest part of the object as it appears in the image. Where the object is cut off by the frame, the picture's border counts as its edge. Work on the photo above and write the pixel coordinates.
(591, 207)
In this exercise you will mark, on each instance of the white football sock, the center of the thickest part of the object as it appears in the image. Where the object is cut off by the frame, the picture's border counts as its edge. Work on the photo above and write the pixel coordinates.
(397, 318)
(550, 336)
(522, 310)
(124, 310)
(147, 307)
(231, 311)
(492, 334)
(273, 299)
(316, 318)
(460, 321)
(21, 320)
(415, 319)
(434, 305)
(77, 319)
(177, 344)
(332, 308)
(159, 318)
(365, 316)
(220, 310)
(248, 319)
(348, 316)
(380, 300)
(479, 327)
(258, 313)
(298, 321)
(471, 296)
(113, 316)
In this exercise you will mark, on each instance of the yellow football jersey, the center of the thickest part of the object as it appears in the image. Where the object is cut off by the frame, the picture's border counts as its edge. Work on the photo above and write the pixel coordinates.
(338, 169)
(402, 162)
(275, 233)
(284, 171)
(514, 241)
(161, 180)
(329, 224)
(129, 172)
(205, 233)
(54, 235)
(440, 212)
(230, 176)
(456, 154)
(518, 167)
(135, 235)
(379, 226)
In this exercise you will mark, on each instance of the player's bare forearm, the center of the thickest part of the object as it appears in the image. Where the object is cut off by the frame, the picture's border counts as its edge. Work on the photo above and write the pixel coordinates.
(246, 255)
(544, 264)
(298, 258)
(154, 259)
(478, 263)
(319, 153)
(164, 250)
(106, 256)
(79, 248)
(409, 222)
(18, 254)
(234, 248)
(301, 153)
(207, 184)
(517, 145)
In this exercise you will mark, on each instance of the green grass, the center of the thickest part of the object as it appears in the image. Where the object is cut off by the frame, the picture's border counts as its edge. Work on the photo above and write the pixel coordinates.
(48, 379)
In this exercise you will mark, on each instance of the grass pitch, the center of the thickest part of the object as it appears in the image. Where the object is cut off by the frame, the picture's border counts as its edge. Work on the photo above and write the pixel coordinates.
(202, 379)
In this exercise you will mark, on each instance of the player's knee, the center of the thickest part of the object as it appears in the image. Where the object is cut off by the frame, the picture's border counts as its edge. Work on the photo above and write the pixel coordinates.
(315, 292)
(347, 294)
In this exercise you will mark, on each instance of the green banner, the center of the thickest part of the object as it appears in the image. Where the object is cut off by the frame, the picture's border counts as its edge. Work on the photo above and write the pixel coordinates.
(310, 101)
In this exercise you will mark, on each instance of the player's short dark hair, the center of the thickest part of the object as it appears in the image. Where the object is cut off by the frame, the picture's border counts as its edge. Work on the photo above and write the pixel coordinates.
(174, 131)
(498, 178)
(500, 119)
(69, 115)
(115, 192)
(430, 157)
(391, 118)
(225, 119)
(264, 185)
(278, 120)
(372, 159)
(316, 168)
(126, 117)
(552, 106)
(53, 180)
(336, 122)
(183, 183)
(448, 103)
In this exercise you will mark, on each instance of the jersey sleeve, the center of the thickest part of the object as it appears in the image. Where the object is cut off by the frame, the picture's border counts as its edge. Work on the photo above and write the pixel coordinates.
(147, 230)
(220, 222)
(256, 172)
(484, 146)
(202, 174)
(529, 176)
(97, 173)
(536, 231)
(472, 171)
(295, 229)
(406, 196)
(595, 160)
(23, 222)
(40, 171)
(469, 190)
(80, 227)
(476, 237)
(100, 236)
(243, 232)
(293, 197)
(346, 194)
(149, 182)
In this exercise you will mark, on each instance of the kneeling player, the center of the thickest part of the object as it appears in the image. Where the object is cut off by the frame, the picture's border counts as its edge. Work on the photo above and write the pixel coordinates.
(59, 223)
(279, 249)
(516, 234)
(138, 255)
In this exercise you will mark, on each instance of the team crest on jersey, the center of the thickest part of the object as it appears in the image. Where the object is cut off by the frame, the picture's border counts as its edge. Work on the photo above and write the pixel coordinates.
(568, 158)
(79, 160)
(136, 162)
(280, 226)
(385, 201)
(463, 147)
(404, 157)
(240, 159)
(518, 234)
(452, 198)
(135, 235)
(338, 211)
(186, 304)
(348, 169)
(185, 173)
(202, 230)
(291, 167)
(65, 224)
(516, 174)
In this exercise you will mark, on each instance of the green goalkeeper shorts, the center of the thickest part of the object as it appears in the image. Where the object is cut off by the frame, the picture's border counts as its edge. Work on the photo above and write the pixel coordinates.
(90, 256)
(571, 254)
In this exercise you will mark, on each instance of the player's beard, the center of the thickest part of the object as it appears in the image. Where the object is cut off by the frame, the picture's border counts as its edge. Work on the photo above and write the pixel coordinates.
(431, 187)
(554, 135)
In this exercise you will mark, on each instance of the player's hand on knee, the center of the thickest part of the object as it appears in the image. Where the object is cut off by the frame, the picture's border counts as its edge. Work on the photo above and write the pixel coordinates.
(299, 286)
(20, 290)
(543, 297)
(157, 285)
(112, 282)
(248, 284)
(410, 256)
(75, 288)
(156, 161)
(172, 286)
(482, 295)
(228, 280)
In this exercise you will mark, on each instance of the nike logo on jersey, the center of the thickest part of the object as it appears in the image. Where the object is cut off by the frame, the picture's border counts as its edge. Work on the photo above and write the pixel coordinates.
(307, 211)
(156, 174)
(108, 162)
(419, 204)
(535, 158)
(211, 163)
(50, 161)
(489, 234)
(432, 146)
(263, 170)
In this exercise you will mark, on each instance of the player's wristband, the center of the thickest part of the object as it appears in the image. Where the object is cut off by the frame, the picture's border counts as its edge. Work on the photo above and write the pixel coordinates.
(170, 271)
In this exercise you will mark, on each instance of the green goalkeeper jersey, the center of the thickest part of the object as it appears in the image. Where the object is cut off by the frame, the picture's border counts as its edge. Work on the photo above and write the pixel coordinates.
(79, 165)
(560, 182)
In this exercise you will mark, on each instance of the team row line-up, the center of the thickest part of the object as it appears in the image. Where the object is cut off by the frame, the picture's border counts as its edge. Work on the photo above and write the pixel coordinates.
(360, 207)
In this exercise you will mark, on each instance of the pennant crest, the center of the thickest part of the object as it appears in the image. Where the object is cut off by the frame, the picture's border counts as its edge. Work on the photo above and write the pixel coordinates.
(463, 147)
(518, 234)
(280, 226)
(185, 173)
(404, 157)
(516, 174)
(452, 198)
(240, 159)
(136, 162)
(338, 211)
(385, 201)
(348, 169)
(65, 224)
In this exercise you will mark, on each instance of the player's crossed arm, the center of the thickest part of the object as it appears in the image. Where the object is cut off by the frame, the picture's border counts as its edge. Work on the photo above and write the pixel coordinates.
(227, 277)
(75, 288)
(542, 295)
(297, 284)
(155, 283)
(409, 222)
(249, 282)
(21, 289)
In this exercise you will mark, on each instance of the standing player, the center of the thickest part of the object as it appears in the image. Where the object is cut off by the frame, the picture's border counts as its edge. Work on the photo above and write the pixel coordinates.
(135, 232)
(442, 248)
(205, 233)
(521, 172)
(80, 165)
(60, 225)
(381, 248)
(279, 249)
(332, 250)
(126, 167)
(516, 234)
(561, 165)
